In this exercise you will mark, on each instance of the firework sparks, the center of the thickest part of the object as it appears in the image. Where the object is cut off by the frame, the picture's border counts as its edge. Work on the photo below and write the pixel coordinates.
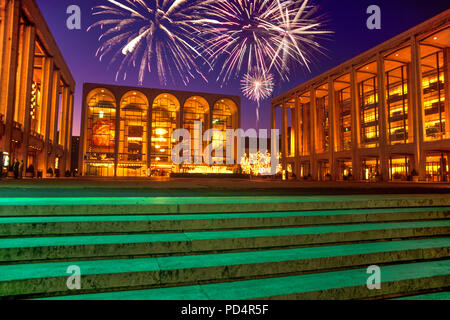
(266, 34)
(257, 86)
(152, 33)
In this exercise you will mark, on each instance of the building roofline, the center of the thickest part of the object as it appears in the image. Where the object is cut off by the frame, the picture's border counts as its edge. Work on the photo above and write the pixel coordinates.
(99, 85)
(34, 14)
(433, 23)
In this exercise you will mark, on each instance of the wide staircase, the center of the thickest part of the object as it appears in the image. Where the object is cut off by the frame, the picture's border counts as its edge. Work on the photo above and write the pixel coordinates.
(225, 248)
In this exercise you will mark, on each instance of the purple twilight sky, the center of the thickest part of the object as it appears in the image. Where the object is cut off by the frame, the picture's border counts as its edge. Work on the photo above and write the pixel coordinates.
(347, 18)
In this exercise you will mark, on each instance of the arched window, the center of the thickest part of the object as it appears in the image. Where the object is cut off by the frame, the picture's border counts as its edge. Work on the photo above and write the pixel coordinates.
(133, 135)
(165, 114)
(223, 118)
(101, 133)
(196, 109)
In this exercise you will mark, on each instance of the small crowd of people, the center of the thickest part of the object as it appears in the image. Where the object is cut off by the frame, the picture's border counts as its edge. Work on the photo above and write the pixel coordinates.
(17, 168)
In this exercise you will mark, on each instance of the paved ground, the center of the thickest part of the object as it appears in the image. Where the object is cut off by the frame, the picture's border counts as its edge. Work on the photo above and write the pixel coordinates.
(83, 187)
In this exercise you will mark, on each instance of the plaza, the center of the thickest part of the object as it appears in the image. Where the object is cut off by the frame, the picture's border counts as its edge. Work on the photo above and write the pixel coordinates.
(360, 209)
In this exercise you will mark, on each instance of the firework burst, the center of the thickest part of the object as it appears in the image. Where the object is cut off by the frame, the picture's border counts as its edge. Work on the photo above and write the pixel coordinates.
(257, 86)
(266, 34)
(152, 34)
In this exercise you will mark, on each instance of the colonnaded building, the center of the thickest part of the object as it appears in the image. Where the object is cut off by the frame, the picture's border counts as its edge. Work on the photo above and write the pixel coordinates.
(36, 91)
(383, 115)
(127, 131)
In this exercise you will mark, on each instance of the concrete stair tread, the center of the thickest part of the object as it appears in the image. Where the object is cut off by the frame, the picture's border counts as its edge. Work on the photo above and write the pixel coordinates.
(429, 296)
(175, 205)
(63, 219)
(211, 235)
(58, 269)
(290, 286)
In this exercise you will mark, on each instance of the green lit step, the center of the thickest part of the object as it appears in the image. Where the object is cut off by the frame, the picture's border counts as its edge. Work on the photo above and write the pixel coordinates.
(188, 205)
(50, 278)
(348, 284)
(23, 249)
(42, 226)
(430, 296)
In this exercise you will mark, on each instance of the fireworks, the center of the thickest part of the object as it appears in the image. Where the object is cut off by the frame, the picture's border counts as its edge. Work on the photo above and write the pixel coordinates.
(266, 34)
(152, 33)
(233, 36)
(257, 85)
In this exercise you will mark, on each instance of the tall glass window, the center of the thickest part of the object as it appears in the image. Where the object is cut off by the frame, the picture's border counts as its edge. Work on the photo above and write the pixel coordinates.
(323, 120)
(369, 112)
(165, 115)
(344, 113)
(433, 81)
(304, 124)
(397, 104)
(196, 109)
(133, 135)
(101, 134)
(223, 115)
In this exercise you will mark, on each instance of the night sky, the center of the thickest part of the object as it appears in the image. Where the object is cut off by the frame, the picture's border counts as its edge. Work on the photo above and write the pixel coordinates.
(347, 18)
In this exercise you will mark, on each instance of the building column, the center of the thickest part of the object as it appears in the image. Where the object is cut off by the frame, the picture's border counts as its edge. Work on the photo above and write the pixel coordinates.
(313, 135)
(298, 136)
(9, 65)
(417, 107)
(356, 127)
(383, 138)
(46, 91)
(68, 136)
(53, 119)
(63, 127)
(447, 91)
(332, 130)
(284, 136)
(25, 86)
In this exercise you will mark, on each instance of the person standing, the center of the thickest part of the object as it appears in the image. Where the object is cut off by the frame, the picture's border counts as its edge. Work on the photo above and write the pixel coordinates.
(21, 169)
(16, 169)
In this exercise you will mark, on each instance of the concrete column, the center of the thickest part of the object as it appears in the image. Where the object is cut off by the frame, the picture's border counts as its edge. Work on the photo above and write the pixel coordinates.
(25, 84)
(298, 136)
(68, 133)
(447, 91)
(9, 65)
(313, 135)
(417, 106)
(332, 131)
(356, 127)
(284, 136)
(383, 139)
(46, 107)
(53, 121)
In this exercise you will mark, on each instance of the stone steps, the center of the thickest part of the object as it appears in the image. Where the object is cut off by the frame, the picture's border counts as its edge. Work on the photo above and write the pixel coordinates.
(398, 279)
(101, 275)
(35, 207)
(96, 225)
(224, 248)
(74, 247)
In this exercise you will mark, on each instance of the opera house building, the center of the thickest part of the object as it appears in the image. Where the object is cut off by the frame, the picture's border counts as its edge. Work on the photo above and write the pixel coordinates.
(381, 116)
(127, 131)
(36, 92)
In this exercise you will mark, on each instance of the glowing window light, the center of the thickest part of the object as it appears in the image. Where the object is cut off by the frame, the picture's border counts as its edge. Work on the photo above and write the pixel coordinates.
(161, 132)
(102, 114)
(158, 159)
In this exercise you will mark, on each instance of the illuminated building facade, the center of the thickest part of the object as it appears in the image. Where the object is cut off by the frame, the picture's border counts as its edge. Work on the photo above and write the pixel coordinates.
(127, 131)
(36, 91)
(383, 115)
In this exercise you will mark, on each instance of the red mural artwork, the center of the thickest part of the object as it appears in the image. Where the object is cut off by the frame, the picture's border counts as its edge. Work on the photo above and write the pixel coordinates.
(103, 133)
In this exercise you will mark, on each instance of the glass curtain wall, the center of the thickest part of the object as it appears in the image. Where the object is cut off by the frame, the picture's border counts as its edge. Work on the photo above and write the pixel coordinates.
(101, 134)
(133, 135)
